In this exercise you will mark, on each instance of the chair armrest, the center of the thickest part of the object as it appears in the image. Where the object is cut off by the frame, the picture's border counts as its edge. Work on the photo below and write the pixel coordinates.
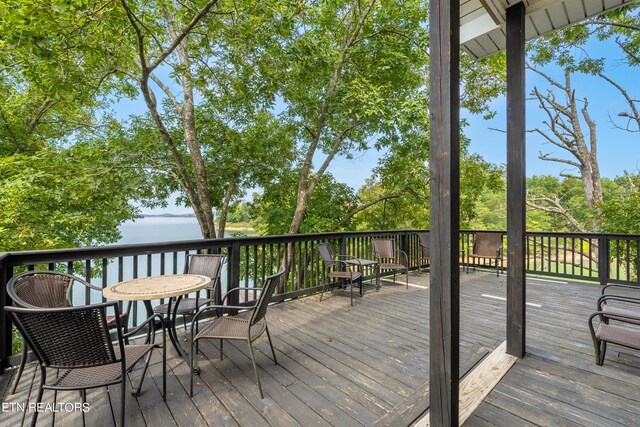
(224, 297)
(406, 258)
(141, 325)
(619, 285)
(219, 309)
(619, 317)
(611, 297)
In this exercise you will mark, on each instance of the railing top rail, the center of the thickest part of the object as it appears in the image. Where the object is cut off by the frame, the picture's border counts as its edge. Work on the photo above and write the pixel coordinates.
(109, 251)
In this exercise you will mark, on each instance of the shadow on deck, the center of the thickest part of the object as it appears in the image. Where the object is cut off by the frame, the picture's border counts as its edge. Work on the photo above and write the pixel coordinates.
(346, 366)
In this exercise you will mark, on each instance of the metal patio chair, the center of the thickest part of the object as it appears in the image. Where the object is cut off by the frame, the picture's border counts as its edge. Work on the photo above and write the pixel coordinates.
(334, 266)
(208, 265)
(77, 342)
(239, 328)
(49, 289)
(617, 325)
(487, 245)
(425, 249)
(390, 258)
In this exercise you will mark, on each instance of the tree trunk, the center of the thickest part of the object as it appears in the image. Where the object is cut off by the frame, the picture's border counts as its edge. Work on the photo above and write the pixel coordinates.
(191, 138)
(222, 220)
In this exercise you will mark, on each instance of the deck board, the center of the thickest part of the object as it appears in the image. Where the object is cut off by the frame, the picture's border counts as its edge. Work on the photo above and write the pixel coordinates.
(346, 366)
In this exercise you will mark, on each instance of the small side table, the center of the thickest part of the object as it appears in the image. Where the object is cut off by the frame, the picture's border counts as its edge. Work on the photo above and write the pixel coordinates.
(363, 262)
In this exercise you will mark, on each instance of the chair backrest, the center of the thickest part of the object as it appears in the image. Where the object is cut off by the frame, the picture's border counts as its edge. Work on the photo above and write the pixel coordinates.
(425, 243)
(271, 283)
(326, 253)
(384, 248)
(44, 289)
(208, 265)
(487, 244)
(70, 337)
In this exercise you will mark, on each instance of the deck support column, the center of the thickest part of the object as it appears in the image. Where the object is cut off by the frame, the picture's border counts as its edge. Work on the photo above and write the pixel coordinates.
(444, 166)
(516, 181)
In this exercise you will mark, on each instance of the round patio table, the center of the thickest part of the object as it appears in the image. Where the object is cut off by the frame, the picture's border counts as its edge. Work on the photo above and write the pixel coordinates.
(158, 287)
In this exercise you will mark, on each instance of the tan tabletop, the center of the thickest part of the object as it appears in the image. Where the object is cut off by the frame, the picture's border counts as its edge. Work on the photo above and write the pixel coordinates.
(156, 287)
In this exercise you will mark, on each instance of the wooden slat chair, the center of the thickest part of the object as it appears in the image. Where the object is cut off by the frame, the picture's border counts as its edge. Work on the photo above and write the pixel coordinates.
(337, 269)
(239, 328)
(76, 341)
(50, 289)
(390, 258)
(487, 245)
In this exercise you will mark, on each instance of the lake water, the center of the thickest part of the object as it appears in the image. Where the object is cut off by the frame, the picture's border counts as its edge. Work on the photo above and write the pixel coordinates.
(149, 230)
(159, 229)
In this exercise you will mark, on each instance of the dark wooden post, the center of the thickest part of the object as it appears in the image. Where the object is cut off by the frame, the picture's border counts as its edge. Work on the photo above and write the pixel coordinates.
(233, 272)
(603, 260)
(6, 329)
(404, 246)
(516, 181)
(444, 164)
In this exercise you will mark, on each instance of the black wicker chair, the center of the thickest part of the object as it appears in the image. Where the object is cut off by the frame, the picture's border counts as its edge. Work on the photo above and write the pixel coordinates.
(488, 246)
(390, 258)
(208, 265)
(49, 289)
(239, 328)
(334, 266)
(425, 252)
(77, 342)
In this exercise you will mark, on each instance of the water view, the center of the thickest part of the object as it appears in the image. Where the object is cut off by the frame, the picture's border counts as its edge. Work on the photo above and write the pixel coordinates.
(159, 229)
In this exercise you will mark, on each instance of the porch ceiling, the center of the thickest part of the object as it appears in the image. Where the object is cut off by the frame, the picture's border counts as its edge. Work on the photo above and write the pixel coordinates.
(483, 28)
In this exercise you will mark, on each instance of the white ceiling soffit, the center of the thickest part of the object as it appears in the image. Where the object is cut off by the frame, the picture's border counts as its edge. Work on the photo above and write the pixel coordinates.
(482, 22)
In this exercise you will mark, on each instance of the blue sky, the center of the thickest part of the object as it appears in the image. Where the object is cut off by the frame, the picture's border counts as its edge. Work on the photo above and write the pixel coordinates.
(617, 150)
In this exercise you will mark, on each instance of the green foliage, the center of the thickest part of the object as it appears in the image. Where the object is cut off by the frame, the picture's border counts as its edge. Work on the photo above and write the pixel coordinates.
(62, 198)
(239, 213)
(567, 47)
(272, 210)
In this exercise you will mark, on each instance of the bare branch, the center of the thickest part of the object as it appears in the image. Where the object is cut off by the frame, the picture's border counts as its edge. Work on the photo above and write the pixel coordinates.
(635, 114)
(547, 204)
(361, 208)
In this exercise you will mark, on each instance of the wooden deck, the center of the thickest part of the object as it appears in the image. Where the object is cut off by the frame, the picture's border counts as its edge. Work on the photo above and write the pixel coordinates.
(345, 366)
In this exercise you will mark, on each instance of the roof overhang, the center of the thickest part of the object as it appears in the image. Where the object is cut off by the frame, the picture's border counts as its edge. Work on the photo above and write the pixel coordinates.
(482, 22)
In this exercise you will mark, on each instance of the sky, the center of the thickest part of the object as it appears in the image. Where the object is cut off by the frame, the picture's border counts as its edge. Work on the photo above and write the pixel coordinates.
(617, 150)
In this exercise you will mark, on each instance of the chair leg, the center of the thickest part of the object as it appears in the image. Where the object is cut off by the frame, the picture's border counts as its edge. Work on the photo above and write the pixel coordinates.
(23, 362)
(191, 371)
(123, 392)
(324, 287)
(271, 345)
(603, 352)
(407, 278)
(351, 289)
(221, 353)
(255, 369)
(43, 379)
(136, 392)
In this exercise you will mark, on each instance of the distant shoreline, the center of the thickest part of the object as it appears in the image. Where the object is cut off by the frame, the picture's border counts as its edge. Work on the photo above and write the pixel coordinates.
(167, 215)
(244, 227)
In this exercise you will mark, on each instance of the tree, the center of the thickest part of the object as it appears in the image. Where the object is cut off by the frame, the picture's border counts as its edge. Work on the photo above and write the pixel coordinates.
(58, 187)
(272, 209)
(63, 198)
(567, 48)
(563, 129)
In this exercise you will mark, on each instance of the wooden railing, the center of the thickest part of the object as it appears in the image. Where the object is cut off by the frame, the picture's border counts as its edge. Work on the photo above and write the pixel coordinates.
(251, 259)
